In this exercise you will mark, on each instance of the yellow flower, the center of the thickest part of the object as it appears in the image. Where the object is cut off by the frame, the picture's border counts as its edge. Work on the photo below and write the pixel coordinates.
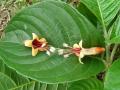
(36, 44)
(79, 51)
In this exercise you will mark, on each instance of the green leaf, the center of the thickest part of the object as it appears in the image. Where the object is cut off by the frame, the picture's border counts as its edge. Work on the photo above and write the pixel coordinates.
(105, 10)
(2, 65)
(38, 86)
(18, 79)
(87, 84)
(115, 32)
(52, 87)
(27, 86)
(112, 78)
(6, 82)
(22, 83)
(86, 12)
(59, 23)
(62, 86)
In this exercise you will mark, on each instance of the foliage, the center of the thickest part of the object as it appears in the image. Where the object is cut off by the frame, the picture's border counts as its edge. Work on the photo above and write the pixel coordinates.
(86, 84)
(112, 77)
(95, 22)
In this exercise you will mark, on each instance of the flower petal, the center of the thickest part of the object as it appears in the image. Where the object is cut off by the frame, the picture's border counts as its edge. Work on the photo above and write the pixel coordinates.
(60, 51)
(52, 49)
(43, 45)
(76, 46)
(48, 53)
(34, 51)
(65, 45)
(80, 61)
(35, 36)
(42, 40)
(66, 55)
(80, 44)
(81, 54)
(28, 43)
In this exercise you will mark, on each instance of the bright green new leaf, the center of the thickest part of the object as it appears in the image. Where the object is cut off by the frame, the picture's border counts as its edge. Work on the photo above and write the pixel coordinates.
(59, 23)
(105, 10)
(112, 78)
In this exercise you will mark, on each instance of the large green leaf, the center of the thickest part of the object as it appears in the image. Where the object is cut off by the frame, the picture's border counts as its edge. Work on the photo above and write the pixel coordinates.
(6, 82)
(105, 10)
(58, 23)
(18, 79)
(38, 86)
(86, 12)
(87, 84)
(22, 83)
(52, 87)
(26, 86)
(112, 78)
(115, 32)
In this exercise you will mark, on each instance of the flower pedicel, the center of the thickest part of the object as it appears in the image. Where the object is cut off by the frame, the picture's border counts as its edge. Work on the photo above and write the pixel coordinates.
(79, 51)
(38, 44)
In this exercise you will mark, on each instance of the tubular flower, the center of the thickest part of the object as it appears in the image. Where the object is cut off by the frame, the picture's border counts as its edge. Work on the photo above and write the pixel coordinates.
(79, 51)
(36, 44)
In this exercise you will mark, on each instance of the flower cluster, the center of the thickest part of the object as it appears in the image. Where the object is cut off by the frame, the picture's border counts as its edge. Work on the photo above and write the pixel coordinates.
(40, 44)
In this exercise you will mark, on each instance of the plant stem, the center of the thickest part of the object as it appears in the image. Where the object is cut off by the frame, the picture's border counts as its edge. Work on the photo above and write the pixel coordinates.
(107, 45)
(113, 53)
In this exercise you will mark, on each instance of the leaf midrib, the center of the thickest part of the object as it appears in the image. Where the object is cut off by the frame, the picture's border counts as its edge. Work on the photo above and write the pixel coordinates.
(101, 14)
